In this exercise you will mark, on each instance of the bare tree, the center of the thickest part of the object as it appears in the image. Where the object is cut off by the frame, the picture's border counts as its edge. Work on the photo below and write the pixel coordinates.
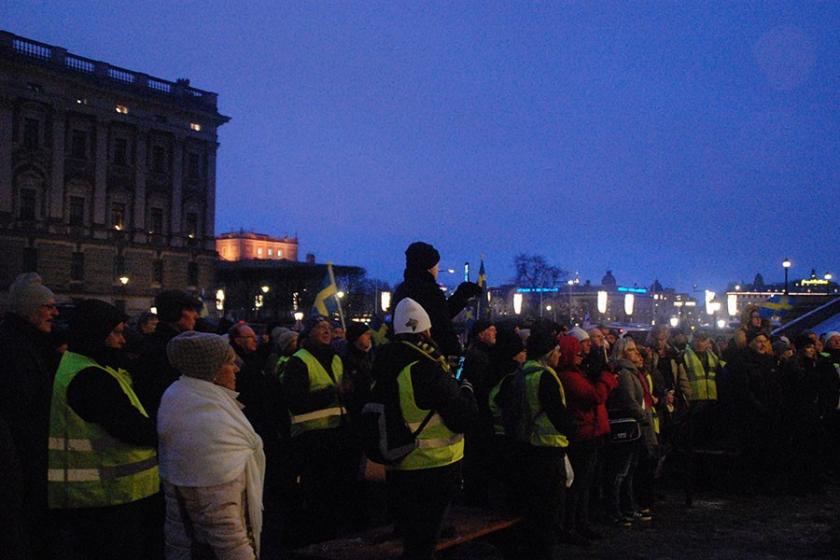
(533, 271)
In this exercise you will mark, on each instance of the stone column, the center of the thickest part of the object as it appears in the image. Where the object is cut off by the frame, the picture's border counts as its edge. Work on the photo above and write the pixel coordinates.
(100, 190)
(175, 208)
(210, 196)
(6, 121)
(141, 141)
(56, 210)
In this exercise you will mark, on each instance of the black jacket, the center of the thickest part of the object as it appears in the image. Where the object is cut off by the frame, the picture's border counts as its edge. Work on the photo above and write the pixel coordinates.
(152, 373)
(422, 288)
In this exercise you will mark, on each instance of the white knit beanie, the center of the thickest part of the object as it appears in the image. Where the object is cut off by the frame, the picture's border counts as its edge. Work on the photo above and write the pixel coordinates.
(27, 293)
(579, 334)
(410, 317)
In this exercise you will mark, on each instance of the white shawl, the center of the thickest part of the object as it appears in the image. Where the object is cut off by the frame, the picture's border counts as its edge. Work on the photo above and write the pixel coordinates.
(205, 440)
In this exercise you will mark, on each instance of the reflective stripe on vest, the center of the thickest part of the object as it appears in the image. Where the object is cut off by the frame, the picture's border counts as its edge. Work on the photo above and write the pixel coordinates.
(703, 385)
(495, 409)
(543, 433)
(87, 466)
(325, 418)
(436, 445)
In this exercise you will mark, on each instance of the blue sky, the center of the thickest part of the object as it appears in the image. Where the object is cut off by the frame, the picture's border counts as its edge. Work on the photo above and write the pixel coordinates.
(694, 142)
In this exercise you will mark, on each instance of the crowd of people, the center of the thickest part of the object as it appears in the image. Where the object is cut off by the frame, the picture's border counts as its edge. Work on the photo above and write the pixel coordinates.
(159, 439)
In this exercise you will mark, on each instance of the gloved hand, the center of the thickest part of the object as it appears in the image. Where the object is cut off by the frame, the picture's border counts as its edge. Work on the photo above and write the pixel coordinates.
(467, 290)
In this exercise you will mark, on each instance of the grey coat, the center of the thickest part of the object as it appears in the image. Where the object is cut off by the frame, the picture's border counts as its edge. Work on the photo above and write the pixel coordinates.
(628, 401)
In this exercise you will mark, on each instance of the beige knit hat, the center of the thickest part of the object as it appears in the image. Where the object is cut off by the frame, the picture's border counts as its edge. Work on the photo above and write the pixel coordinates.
(198, 354)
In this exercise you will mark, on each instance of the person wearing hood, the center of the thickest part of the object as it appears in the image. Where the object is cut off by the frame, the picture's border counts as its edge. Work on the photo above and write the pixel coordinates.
(422, 262)
(103, 471)
(29, 363)
(631, 399)
(211, 460)
(316, 393)
(422, 485)
(583, 397)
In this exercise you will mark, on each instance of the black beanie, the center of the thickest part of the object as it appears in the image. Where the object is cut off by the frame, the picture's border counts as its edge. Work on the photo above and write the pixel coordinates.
(355, 330)
(508, 344)
(421, 256)
(92, 322)
(541, 341)
(170, 304)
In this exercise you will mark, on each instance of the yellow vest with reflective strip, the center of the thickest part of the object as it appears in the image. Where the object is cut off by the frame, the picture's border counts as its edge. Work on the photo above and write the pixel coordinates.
(495, 409)
(437, 445)
(325, 418)
(87, 466)
(543, 432)
(703, 385)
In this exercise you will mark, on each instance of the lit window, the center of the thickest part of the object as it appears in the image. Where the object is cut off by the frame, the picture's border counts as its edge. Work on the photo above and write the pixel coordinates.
(121, 109)
(279, 252)
(81, 101)
(195, 126)
(270, 253)
(259, 251)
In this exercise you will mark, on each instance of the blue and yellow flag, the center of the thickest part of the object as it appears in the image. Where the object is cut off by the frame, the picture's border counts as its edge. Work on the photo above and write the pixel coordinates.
(326, 300)
(482, 276)
(777, 306)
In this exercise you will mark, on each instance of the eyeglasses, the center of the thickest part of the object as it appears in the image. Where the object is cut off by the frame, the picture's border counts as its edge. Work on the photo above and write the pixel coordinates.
(49, 306)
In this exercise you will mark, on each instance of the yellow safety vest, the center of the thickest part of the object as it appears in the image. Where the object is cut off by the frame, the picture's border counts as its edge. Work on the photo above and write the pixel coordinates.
(543, 432)
(703, 385)
(495, 409)
(325, 418)
(88, 467)
(437, 445)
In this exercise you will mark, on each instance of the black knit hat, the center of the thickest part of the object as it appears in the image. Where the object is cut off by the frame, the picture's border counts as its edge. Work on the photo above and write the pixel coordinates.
(355, 330)
(421, 256)
(92, 322)
(508, 344)
(541, 341)
(479, 327)
(754, 333)
(170, 304)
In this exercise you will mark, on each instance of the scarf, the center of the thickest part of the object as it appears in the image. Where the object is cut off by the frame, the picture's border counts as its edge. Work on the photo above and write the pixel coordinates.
(205, 440)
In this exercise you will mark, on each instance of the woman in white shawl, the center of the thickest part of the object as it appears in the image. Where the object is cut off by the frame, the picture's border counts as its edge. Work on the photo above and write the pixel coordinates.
(211, 461)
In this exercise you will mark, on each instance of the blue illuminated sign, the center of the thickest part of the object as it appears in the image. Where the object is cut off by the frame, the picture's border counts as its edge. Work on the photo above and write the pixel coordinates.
(632, 290)
(537, 290)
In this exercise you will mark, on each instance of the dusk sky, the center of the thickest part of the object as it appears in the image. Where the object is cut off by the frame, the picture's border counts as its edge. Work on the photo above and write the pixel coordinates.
(694, 142)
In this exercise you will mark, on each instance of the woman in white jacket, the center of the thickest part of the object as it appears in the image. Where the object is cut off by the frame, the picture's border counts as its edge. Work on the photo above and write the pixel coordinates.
(211, 461)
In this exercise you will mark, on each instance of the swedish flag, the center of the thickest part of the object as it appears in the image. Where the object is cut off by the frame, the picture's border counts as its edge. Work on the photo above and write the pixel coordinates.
(482, 276)
(776, 305)
(326, 300)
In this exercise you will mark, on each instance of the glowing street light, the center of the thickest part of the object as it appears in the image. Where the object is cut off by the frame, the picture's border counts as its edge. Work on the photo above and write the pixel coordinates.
(675, 321)
(732, 304)
(786, 264)
(721, 324)
(517, 303)
(629, 302)
(385, 301)
(265, 289)
(340, 294)
(123, 280)
(602, 301)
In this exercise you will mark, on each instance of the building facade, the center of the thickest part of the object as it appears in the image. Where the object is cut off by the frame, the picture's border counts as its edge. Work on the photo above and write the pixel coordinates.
(107, 177)
(247, 245)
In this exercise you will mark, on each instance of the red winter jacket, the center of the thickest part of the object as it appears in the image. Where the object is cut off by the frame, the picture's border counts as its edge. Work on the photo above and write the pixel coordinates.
(585, 400)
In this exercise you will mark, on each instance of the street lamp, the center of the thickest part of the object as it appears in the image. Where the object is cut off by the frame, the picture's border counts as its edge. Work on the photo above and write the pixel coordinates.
(629, 301)
(786, 264)
(265, 289)
(340, 294)
(385, 301)
(123, 280)
(517, 303)
(602, 302)
(675, 321)
(827, 279)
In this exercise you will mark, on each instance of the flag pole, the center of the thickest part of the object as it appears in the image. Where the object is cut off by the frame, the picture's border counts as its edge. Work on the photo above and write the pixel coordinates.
(335, 295)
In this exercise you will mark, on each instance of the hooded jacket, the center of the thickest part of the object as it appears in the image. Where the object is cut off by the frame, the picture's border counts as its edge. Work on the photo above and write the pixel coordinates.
(584, 397)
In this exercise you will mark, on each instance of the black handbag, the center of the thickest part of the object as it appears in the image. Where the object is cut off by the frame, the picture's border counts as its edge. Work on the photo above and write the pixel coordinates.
(624, 430)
